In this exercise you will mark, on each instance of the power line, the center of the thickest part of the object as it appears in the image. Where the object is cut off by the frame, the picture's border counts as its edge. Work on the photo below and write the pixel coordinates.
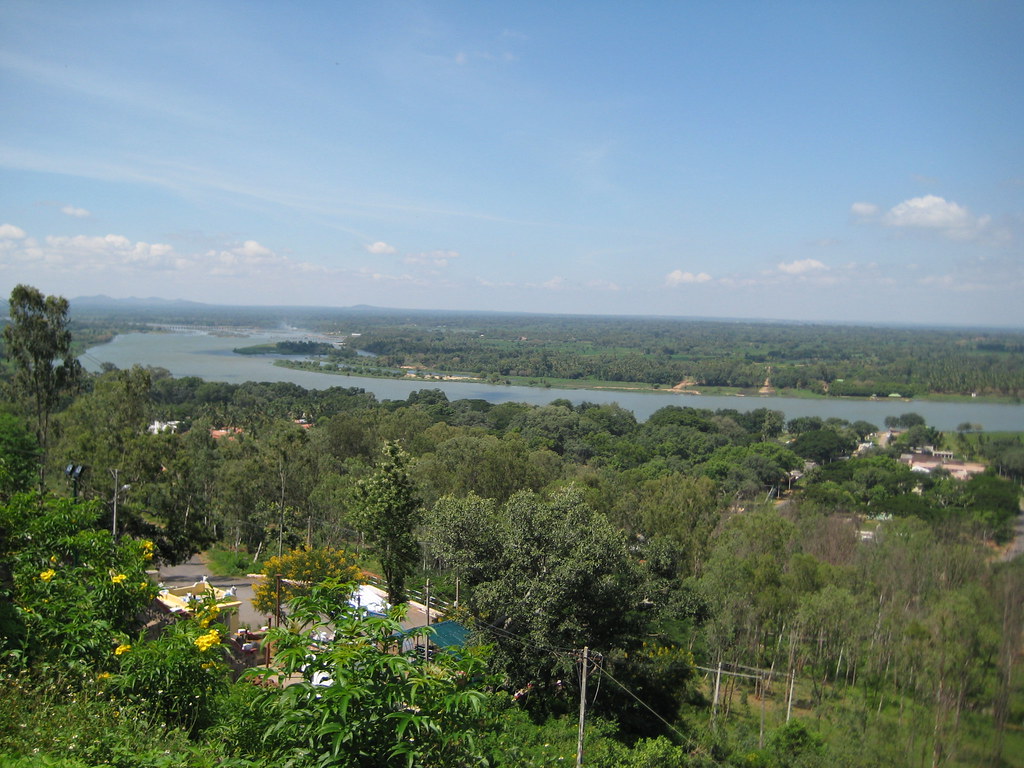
(555, 650)
(647, 707)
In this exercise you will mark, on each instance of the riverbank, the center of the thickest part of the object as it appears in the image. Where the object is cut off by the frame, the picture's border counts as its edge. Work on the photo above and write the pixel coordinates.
(211, 358)
(623, 386)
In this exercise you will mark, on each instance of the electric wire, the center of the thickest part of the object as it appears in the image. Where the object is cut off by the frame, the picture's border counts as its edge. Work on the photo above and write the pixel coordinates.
(553, 649)
(688, 739)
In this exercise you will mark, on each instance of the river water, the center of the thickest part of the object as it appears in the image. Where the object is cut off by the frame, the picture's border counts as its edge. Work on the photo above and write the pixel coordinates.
(211, 357)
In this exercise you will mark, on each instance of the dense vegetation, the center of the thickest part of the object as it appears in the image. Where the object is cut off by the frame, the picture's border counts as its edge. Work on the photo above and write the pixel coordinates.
(741, 608)
(288, 348)
(835, 360)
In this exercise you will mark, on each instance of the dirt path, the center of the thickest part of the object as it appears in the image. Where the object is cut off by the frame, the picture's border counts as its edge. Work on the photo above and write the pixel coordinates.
(1016, 548)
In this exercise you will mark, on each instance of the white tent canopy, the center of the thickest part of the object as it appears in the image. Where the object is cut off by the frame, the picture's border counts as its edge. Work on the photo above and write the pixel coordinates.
(372, 598)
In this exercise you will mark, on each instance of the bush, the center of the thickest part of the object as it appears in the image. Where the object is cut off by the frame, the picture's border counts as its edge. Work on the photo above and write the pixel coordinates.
(176, 677)
(75, 590)
(229, 562)
(76, 720)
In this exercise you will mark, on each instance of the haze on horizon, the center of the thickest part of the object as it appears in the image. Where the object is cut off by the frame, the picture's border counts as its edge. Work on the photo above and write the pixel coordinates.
(802, 161)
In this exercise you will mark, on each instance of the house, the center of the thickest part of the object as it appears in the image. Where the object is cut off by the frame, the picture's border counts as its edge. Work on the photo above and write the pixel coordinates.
(929, 462)
(163, 426)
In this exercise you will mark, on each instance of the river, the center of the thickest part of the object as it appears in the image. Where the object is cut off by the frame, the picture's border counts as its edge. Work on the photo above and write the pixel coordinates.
(211, 357)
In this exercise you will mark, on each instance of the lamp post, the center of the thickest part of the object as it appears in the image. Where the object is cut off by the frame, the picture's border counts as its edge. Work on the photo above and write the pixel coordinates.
(117, 489)
(74, 472)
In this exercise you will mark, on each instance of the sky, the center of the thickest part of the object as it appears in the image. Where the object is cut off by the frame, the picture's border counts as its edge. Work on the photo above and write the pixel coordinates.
(821, 161)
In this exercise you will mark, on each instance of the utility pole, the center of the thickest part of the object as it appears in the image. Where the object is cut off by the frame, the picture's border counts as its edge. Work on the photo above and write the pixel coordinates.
(789, 703)
(426, 637)
(718, 685)
(117, 489)
(277, 598)
(583, 706)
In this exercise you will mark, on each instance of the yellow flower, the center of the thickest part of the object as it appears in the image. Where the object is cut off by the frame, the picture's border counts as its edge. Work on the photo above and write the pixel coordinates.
(207, 641)
(208, 665)
(53, 559)
(147, 550)
(47, 574)
(102, 675)
(124, 648)
(118, 578)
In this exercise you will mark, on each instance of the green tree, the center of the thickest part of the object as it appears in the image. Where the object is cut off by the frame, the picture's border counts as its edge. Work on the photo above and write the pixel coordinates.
(821, 445)
(683, 509)
(543, 575)
(105, 430)
(73, 590)
(18, 455)
(388, 510)
(485, 465)
(744, 583)
(38, 342)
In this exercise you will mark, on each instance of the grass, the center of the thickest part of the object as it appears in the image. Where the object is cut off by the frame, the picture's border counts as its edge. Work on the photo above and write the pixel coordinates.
(229, 562)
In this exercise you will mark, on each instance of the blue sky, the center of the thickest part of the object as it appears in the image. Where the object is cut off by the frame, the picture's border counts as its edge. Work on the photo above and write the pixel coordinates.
(853, 161)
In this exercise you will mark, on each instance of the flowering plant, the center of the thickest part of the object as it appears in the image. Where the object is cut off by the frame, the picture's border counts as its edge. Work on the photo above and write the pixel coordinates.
(75, 591)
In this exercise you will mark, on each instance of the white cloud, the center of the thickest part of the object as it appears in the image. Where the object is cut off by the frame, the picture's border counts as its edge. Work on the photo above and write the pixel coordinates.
(929, 211)
(380, 247)
(80, 252)
(957, 284)
(381, 277)
(864, 209)
(554, 284)
(678, 277)
(801, 266)
(253, 250)
(938, 214)
(433, 259)
(78, 213)
(11, 232)
(243, 259)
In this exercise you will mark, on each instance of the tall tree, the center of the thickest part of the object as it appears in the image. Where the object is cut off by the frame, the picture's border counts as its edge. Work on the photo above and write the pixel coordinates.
(18, 454)
(544, 575)
(388, 510)
(38, 342)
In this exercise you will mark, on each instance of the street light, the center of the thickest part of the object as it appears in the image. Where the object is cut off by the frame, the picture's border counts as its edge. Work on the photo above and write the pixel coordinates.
(74, 472)
(117, 489)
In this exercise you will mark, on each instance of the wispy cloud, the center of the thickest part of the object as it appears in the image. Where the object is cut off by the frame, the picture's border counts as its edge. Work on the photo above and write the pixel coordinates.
(801, 266)
(78, 213)
(431, 259)
(864, 210)
(679, 277)
(380, 248)
(94, 84)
